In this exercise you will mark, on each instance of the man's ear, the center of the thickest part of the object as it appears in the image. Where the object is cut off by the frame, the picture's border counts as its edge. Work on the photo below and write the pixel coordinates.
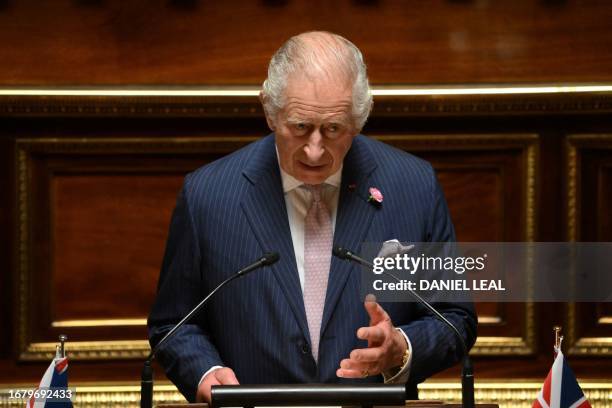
(271, 121)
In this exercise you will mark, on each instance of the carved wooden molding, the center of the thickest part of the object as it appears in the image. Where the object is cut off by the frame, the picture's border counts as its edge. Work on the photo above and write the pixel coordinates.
(597, 346)
(29, 350)
(100, 349)
(231, 102)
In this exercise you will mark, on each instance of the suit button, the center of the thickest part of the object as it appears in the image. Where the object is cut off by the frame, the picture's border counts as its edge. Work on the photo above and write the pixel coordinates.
(305, 349)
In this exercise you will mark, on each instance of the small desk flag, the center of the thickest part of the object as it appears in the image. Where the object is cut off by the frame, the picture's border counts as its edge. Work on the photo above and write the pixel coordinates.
(561, 389)
(53, 389)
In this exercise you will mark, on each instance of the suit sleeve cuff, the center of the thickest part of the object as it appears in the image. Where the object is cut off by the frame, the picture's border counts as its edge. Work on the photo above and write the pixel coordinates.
(210, 370)
(400, 375)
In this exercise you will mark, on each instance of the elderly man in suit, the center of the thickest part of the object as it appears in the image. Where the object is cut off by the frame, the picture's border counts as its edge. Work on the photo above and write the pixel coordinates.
(299, 191)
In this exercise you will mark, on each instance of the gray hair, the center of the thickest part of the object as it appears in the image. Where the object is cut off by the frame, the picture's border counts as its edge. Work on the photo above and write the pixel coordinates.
(332, 54)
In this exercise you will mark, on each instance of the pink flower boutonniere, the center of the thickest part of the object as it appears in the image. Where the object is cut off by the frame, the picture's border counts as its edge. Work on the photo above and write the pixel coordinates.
(375, 197)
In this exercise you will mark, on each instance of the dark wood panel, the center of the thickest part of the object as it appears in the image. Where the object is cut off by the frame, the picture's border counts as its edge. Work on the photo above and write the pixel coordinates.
(485, 179)
(6, 227)
(203, 42)
(108, 233)
(591, 160)
(94, 215)
(604, 203)
(223, 130)
(476, 202)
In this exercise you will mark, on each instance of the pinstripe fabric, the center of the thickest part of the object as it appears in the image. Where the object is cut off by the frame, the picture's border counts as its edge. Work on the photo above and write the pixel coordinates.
(231, 211)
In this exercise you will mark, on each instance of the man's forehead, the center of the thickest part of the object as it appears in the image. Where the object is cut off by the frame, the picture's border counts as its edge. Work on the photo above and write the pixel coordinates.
(319, 82)
(317, 96)
(300, 110)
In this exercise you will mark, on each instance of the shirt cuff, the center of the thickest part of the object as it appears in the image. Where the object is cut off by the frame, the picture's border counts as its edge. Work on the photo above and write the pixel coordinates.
(210, 370)
(399, 375)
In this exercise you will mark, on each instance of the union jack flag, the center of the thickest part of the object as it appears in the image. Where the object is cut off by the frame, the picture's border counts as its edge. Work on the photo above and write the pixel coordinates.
(560, 389)
(56, 377)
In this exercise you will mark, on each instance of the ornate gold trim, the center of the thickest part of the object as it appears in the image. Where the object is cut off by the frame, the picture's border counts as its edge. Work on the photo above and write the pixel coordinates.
(102, 349)
(398, 101)
(572, 190)
(90, 350)
(513, 393)
(501, 346)
(254, 91)
(94, 395)
(597, 346)
(489, 320)
(508, 394)
(592, 346)
(100, 322)
(23, 240)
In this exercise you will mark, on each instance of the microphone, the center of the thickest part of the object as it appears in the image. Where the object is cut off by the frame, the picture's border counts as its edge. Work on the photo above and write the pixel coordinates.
(146, 383)
(467, 374)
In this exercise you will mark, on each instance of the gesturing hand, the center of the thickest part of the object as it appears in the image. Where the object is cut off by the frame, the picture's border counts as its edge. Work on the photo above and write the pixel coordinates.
(220, 376)
(386, 346)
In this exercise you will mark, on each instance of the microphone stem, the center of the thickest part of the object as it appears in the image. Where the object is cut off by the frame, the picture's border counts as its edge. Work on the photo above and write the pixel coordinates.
(467, 383)
(146, 386)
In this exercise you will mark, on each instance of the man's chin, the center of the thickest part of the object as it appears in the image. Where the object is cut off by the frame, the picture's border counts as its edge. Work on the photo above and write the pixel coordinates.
(313, 175)
(310, 178)
(314, 180)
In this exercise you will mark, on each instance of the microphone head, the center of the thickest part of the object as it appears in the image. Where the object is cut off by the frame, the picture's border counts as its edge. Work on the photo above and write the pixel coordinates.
(270, 257)
(341, 253)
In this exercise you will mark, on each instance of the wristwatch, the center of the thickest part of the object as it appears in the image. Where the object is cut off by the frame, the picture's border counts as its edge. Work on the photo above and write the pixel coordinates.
(406, 355)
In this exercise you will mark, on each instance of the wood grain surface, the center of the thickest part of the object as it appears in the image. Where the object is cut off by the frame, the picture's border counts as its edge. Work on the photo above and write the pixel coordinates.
(206, 42)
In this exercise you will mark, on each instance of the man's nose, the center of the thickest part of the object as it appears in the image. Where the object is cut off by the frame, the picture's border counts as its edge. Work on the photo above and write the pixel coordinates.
(314, 149)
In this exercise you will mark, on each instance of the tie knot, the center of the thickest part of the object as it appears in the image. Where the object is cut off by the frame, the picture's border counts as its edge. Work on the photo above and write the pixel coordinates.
(315, 190)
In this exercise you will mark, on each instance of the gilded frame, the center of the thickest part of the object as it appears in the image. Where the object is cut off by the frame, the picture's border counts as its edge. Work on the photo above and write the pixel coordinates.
(595, 346)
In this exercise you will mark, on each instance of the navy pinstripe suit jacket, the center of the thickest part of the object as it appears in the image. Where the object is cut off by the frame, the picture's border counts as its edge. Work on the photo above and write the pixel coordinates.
(233, 210)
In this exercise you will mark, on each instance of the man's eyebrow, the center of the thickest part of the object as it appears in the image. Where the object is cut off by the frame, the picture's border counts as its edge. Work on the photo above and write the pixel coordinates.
(297, 119)
(339, 119)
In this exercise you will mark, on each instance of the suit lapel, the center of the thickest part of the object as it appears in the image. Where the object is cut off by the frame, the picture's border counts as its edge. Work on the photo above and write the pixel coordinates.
(353, 220)
(264, 206)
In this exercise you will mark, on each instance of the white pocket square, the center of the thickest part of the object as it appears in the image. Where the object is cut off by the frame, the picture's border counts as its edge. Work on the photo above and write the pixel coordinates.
(393, 247)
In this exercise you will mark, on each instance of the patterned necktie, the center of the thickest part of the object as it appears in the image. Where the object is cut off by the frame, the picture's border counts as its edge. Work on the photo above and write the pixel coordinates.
(318, 237)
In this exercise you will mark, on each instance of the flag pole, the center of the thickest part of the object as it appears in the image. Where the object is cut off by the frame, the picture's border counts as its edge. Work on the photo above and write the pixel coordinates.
(62, 339)
(558, 339)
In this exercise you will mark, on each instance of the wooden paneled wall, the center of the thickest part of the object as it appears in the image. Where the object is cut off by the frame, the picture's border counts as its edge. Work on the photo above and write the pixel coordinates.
(90, 183)
(87, 183)
(84, 42)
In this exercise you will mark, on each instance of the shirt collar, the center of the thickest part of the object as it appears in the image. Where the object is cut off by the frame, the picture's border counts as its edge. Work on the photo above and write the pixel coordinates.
(291, 183)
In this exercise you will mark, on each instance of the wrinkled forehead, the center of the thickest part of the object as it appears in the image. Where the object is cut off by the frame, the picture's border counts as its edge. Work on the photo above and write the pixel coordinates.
(317, 99)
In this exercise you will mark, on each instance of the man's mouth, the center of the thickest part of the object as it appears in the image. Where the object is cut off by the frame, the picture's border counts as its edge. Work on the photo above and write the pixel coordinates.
(313, 166)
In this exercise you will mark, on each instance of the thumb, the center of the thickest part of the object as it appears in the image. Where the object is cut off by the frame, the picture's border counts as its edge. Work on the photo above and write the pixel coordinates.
(226, 376)
(375, 311)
